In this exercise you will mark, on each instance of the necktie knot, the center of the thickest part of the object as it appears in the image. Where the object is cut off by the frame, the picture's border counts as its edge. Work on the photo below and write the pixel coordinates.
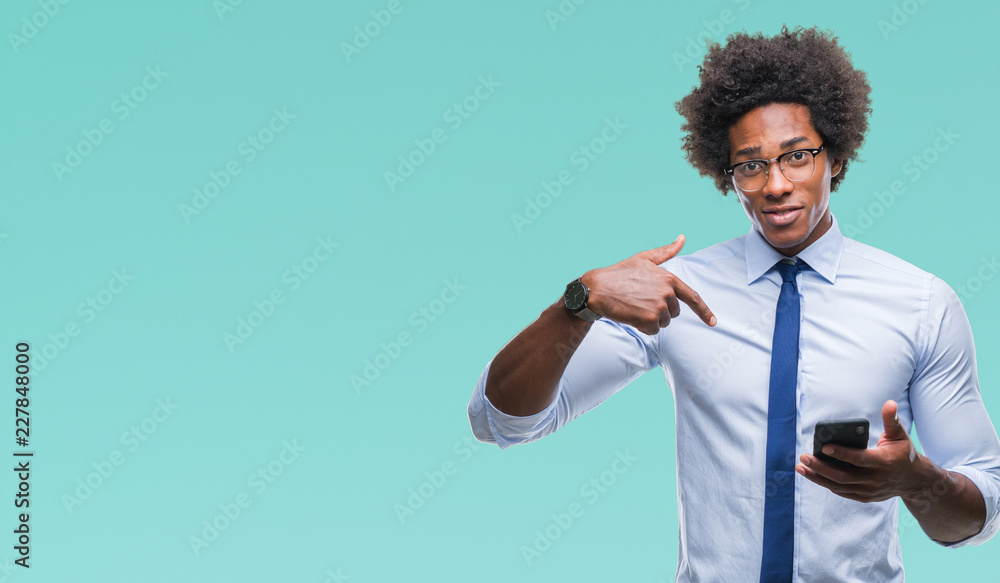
(790, 270)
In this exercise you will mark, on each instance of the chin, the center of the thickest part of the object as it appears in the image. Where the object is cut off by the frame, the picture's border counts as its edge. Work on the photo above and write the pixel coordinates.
(784, 240)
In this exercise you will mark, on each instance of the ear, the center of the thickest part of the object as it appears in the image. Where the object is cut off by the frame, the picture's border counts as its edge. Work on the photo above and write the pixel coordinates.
(835, 167)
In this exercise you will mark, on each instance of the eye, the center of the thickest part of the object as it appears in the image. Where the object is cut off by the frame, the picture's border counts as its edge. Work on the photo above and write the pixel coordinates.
(750, 167)
(797, 158)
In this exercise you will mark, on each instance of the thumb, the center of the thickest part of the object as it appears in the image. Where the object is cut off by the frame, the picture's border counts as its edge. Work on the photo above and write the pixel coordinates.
(665, 253)
(893, 428)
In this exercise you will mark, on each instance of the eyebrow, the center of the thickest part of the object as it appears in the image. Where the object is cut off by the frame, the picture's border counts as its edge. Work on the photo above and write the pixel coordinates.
(756, 150)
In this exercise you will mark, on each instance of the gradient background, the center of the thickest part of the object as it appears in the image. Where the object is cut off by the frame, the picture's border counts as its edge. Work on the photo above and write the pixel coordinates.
(331, 512)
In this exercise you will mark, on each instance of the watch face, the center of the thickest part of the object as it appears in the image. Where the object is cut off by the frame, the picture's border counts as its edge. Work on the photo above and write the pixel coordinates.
(576, 295)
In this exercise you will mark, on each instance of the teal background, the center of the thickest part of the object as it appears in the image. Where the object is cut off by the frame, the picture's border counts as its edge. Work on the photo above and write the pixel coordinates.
(330, 513)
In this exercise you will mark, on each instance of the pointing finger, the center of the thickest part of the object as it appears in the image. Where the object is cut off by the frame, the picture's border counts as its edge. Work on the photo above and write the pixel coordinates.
(694, 301)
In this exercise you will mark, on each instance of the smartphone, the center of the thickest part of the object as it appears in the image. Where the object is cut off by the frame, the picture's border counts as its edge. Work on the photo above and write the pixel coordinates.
(848, 432)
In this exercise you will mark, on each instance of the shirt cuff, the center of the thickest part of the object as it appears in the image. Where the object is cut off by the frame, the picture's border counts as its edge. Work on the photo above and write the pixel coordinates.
(988, 487)
(491, 425)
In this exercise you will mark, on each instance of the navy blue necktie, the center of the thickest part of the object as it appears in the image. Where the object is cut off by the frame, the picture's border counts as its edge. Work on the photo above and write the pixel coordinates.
(779, 493)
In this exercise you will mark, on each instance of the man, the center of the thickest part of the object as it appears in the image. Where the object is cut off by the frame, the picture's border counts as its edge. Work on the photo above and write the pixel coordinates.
(789, 325)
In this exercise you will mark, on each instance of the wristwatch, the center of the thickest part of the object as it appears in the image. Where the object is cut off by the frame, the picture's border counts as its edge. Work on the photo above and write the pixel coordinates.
(575, 299)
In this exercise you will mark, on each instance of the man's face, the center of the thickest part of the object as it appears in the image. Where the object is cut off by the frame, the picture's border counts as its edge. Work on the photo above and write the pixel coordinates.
(790, 215)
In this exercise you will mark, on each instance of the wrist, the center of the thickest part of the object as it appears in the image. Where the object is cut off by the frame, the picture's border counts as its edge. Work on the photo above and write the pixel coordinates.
(593, 299)
(577, 301)
(928, 481)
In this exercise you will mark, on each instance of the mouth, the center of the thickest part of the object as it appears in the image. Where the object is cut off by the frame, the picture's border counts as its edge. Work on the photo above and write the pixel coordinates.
(781, 216)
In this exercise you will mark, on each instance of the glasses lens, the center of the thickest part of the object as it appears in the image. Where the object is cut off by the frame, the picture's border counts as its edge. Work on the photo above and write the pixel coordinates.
(751, 175)
(797, 166)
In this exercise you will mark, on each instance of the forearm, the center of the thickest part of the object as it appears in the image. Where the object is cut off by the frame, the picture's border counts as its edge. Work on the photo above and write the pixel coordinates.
(524, 375)
(947, 505)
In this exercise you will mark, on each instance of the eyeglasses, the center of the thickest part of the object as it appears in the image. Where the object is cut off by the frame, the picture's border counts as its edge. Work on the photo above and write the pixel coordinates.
(795, 165)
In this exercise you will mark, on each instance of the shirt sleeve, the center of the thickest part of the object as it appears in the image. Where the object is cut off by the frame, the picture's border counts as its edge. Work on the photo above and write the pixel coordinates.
(953, 426)
(609, 357)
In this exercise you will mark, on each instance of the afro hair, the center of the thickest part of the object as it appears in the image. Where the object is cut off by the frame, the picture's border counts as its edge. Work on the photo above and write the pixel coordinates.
(804, 66)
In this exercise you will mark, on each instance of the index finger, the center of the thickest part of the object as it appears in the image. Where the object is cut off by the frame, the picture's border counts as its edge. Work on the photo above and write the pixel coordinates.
(694, 301)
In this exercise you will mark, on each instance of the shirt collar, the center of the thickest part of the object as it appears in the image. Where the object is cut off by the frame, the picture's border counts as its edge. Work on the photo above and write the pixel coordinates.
(823, 256)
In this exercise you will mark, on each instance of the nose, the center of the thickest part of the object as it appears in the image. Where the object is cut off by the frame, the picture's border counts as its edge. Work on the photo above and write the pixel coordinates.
(777, 185)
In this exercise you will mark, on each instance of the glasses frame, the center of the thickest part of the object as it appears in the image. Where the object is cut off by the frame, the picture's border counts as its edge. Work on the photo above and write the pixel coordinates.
(731, 170)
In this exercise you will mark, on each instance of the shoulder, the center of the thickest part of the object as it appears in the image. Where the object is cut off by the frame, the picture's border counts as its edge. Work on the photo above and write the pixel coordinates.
(872, 269)
(858, 256)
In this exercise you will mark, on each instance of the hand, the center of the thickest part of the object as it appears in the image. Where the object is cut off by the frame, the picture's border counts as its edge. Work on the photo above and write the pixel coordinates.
(892, 468)
(640, 293)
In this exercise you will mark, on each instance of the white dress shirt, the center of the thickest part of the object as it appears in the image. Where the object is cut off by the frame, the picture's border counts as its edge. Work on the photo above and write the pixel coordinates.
(873, 328)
